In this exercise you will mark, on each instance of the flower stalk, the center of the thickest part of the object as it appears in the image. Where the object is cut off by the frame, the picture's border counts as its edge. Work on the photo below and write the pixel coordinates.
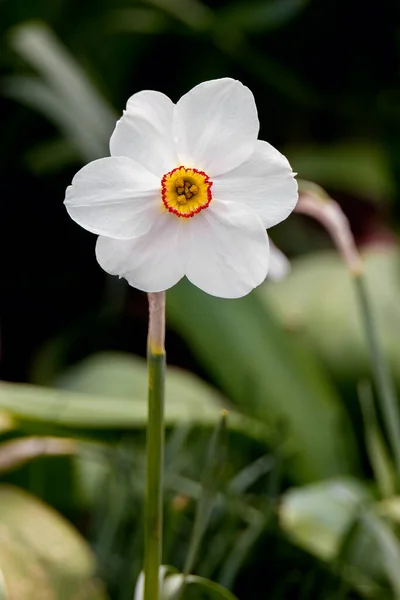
(154, 446)
(383, 380)
(315, 202)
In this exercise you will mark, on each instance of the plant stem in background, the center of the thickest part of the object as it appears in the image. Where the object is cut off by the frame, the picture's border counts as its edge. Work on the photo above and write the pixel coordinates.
(155, 446)
(383, 381)
(316, 203)
(381, 462)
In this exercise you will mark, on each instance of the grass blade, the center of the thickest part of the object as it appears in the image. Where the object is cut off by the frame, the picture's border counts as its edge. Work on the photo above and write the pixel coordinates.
(382, 377)
(376, 446)
(209, 486)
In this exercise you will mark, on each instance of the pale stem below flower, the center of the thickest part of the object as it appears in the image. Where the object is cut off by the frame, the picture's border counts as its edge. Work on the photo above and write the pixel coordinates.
(156, 336)
(331, 216)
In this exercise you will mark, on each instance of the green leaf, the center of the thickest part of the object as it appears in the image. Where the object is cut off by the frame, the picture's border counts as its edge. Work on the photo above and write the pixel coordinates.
(388, 548)
(211, 589)
(333, 327)
(109, 391)
(125, 376)
(318, 516)
(41, 554)
(390, 508)
(267, 375)
(162, 574)
(338, 522)
(37, 95)
(63, 92)
(171, 583)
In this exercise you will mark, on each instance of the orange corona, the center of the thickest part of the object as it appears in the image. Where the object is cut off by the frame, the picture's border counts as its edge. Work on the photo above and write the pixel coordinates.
(186, 191)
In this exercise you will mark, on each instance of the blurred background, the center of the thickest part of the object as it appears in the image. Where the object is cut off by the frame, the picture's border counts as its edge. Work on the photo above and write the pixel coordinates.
(307, 503)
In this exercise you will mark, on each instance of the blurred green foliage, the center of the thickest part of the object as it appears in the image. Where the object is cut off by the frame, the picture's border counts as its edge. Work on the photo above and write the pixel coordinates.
(307, 500)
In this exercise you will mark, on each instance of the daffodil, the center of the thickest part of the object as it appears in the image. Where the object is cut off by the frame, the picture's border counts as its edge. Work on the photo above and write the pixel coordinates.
(188, 190)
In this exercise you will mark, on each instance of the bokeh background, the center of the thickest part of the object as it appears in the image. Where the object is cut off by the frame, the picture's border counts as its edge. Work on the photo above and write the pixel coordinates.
(307, 505)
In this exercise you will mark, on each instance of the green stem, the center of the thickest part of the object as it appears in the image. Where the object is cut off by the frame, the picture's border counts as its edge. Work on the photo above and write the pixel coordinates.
(315, 202)
(155, 447)
(383, 380)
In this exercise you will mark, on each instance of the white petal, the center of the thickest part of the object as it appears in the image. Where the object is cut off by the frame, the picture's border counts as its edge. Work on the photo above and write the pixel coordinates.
(144, 132)
(216, 126)
(153, 262)
(228, 250)
(279, 265)
(116, 197)
(265, 182)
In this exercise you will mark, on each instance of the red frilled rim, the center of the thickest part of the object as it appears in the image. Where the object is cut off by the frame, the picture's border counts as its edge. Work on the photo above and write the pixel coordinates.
(175, 211)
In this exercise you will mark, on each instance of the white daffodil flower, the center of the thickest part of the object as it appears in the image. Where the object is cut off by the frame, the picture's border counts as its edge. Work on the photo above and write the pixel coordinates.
(188, 190)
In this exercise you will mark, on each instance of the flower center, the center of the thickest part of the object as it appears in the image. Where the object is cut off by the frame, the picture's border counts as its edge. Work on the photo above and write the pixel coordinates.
(185, 192)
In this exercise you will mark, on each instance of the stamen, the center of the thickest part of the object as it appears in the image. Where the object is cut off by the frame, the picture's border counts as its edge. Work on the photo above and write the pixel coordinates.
(181, 199)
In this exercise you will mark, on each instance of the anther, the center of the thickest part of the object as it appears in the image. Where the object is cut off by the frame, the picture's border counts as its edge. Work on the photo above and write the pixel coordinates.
(181, 199)
(180, 183)
(194, 189)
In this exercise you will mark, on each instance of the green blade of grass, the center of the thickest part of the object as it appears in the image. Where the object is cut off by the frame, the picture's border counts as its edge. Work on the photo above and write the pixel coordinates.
(376, 446)
(212, 590)
(380, 370)
(209, 487)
